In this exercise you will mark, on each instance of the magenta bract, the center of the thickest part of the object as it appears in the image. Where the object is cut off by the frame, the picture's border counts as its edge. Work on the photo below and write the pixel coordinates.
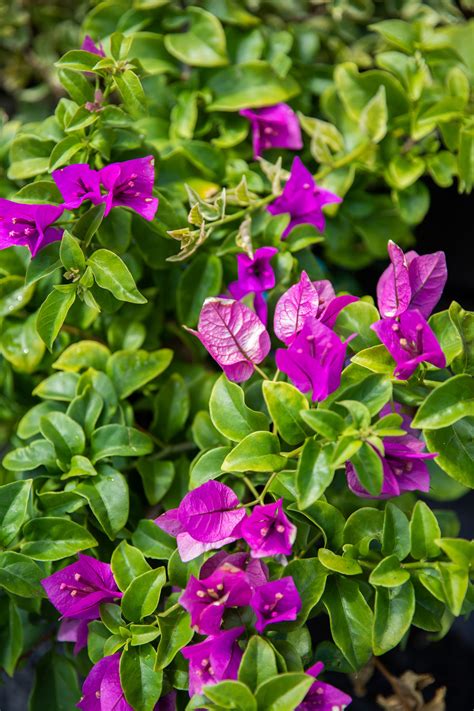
(315, 359)
(89, 45)
(215, 659)
(28, 225)
(130, 184)
(78, 590)
(404, 467)
(410, 341)
(206, 519)
(126, 184)
(302, 199)
(254, 275)
(273, 127)
(255, 570)
(411, 282)
(276, 601)
(234, 336)
(268, 531)
(307, 298)
(71, 630)
(322, 696)
(76, 183)
(102, 690)
(207, 598)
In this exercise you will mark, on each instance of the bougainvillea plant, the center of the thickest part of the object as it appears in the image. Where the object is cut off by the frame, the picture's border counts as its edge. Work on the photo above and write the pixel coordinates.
(223, 462)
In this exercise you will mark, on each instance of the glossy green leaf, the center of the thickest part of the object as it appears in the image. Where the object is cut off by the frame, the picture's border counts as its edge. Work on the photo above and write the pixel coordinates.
(130, 370)
(393, 613)
(111, 273)
(14, 499)
(229, 413)
(258, 452)
(203, 43)
(118, 440)
(141, 597)
(258, 662)
(315, 472)
(284, 403)
(351, 619)
(127, 564)
(53, 312)
(51, 538)
(140, 682)
(283, 693)
(424, 530)
(108, 498)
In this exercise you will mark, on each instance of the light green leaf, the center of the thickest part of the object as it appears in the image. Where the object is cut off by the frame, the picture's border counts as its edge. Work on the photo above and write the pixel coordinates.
(229, 413)
(111, 273)
(258, 452)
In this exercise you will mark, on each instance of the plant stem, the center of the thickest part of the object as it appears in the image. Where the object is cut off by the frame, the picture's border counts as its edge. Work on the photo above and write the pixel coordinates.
(175, 449)
(260, 372)
(345, 160)
(242, 213)
(266, 487)
(251, 487)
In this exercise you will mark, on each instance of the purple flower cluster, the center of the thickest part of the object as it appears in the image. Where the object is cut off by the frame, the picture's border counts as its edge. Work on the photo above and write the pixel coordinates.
(77, 591)
(126, 184)
(273, 127)
(237, 339)
(403, 463)
(407, 293)
(210, 517)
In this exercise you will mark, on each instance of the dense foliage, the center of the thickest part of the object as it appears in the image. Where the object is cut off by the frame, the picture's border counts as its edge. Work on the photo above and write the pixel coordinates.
(140, 207)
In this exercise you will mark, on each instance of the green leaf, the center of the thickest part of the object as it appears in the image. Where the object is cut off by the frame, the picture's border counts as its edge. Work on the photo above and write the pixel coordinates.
(152, 541)
(362, 527)
(283, 692)
(86, 410)
(393, 613)
(88, 223)
(140, 682)
(55, 687)
(11, 639)
(309, 577)
(53, 312)
(157, 477)
(78, 60)
(350, 618)
(249, 85)
(376, 358)
(325, 422)
(231, 695)
(447, 404)
(52, 538)
(356, 318)
(119, 441)
(28, 458)
(132, 94)
(203, 44)
(176, 632)
(201, 280)
(338, 563)
(64, 151)
(447, 335)
(424, 530)
(84, 354)
(369, 468)
(455, 448)
(19, 575)
(285, 403)
(327, 518)
(14, 294)
(373, 392)
(388, 573)
(141, 597)
(14, 499)
(258, 663)
(107, 496)
(112, 274)
(229, 413)
(46, 262)
(172, 406)
(374, 116)
(315, 472)
(64, 433)
(397, 32)
(396, 533)
(127, 564)
(130, 370)
(208, 466)
(454, 583)
(258, 452)
(60, 386)
(71, 254)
